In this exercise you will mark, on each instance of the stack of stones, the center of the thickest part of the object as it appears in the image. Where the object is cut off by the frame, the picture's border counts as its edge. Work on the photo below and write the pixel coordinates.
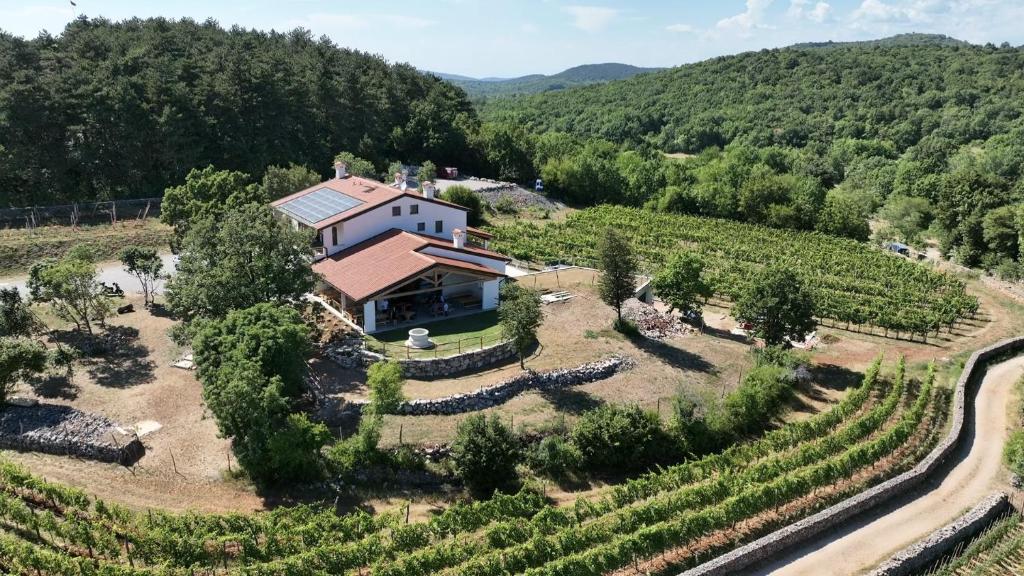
(496, 394)
(55, 429)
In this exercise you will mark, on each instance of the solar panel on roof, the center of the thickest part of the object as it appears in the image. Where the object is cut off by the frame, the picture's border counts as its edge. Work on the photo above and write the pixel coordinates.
(319, 205)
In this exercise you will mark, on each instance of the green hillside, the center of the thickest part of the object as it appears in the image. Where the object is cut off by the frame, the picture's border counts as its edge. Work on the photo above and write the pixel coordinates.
(534, 83)
(924, 134)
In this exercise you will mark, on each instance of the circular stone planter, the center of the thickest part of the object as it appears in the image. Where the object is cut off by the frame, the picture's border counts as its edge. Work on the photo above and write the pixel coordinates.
(419, 338)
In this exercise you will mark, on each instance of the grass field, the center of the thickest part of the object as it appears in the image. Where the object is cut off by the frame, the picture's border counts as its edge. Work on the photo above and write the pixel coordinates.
(20, 248)
(450, 335)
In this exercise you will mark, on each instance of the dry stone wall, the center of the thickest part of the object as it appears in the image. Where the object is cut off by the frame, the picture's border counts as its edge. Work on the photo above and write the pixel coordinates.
(500, 393)
(352, 355)
(62, 430)
(764, 548)
(927, 551)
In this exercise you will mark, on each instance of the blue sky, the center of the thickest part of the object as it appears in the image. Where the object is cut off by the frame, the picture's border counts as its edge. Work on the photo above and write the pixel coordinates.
(508, 38)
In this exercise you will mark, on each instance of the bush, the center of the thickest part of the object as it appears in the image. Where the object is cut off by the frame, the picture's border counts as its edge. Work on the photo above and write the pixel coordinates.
(506, 205)
(360, 449)
(385, 382)
(485, 454)
(752, 406)
(293, 451)
(467, 199)
(1013, 452)
(554, 457)
(615, 438)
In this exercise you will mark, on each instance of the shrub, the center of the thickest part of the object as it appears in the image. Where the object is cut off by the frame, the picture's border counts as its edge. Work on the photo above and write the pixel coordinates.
(360, 449)
(616, 438)
(506, 205)
(467, 199)
(485, 454)
(751, 407)
(1013, 452)
(385, 382)
(554, 457)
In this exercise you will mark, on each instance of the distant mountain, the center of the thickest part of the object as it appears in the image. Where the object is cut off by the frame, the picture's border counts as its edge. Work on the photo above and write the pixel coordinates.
(910, 39)
(536, 83)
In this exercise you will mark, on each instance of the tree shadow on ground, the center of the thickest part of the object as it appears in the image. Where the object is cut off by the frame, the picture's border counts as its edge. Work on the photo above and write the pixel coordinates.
(725, 335)
(53, 386)
(570, 400)
(675, 357)
(161, 311)
(118, 360)
(834, 377)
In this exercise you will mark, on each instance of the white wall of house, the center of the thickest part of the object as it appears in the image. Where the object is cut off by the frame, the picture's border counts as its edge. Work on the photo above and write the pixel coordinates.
(370, 316)
(492, 263)
(489, 300)
(380, 220)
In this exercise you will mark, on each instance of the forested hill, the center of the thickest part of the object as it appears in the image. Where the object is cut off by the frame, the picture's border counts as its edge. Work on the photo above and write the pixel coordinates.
(109, 110)
(794, 96)
(584, 75)
(911, 39)
(922, 135)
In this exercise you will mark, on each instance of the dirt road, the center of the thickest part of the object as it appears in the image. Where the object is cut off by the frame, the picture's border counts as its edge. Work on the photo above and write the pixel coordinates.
(975, 472)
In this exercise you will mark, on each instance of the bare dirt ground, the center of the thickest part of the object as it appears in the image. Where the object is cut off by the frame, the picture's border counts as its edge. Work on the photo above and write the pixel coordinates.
(976, 471)
(185, 460)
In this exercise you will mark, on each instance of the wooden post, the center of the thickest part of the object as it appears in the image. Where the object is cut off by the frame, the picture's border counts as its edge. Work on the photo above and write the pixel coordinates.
(400, 429)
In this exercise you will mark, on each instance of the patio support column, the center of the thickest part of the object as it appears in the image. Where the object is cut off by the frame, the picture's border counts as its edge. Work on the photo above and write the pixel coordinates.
(489, 298)
(370, 316)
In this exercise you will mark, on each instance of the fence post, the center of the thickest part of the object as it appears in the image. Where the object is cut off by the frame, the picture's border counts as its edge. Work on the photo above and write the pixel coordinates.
(481, 341)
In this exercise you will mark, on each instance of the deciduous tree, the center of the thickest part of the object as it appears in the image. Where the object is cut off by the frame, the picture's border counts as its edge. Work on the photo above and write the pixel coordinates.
(19, 357)
(247, 258)
(145, 264)
(618, 270)
(778, 305)
(520, 316)
(681, 285)
(485, 454)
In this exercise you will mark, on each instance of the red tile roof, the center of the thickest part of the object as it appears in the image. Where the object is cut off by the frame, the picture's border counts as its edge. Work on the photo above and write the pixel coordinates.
(370, 192)
(387, 261)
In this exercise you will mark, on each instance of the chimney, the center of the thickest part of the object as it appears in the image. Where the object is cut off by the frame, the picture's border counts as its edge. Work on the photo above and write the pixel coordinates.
(340, 170)
(458, 238)
(428, 189)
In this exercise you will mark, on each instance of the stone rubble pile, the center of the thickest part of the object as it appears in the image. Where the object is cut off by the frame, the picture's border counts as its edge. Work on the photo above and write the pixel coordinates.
(55, 429)
(652, 323)
(500, 393)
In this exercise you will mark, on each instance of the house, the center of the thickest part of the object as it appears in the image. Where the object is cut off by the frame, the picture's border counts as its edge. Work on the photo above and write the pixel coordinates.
(388, 255)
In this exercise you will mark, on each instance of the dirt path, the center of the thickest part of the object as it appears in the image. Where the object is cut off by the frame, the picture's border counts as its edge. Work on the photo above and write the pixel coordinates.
(976, 472)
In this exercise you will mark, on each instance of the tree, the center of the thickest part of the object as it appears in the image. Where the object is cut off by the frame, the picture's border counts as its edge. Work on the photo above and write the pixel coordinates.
(384, 379)
(778, 305)
(681, 285)
(252, 365)
(355, 165)
(905, 218)
(280, 181)
(146, 265)
(248, 258)
(207, 193)
(16, 318)
(427, 172)
(520, 316)
(619, 267)
(272, 336)
(468, 199)
(999, 229)
(841, 216)
(485, 454)
(19, 357)
(70, 285)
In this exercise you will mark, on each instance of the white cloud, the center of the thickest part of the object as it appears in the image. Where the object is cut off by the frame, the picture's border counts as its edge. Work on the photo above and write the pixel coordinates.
(591, 18)
(747, 21)
(683, 28)
(800, 9)
(879, 11)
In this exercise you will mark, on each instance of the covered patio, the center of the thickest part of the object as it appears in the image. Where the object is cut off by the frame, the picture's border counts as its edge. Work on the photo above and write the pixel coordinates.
(402, 279)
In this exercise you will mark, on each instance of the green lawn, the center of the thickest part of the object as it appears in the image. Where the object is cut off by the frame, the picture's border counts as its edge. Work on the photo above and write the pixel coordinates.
(451, 335)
